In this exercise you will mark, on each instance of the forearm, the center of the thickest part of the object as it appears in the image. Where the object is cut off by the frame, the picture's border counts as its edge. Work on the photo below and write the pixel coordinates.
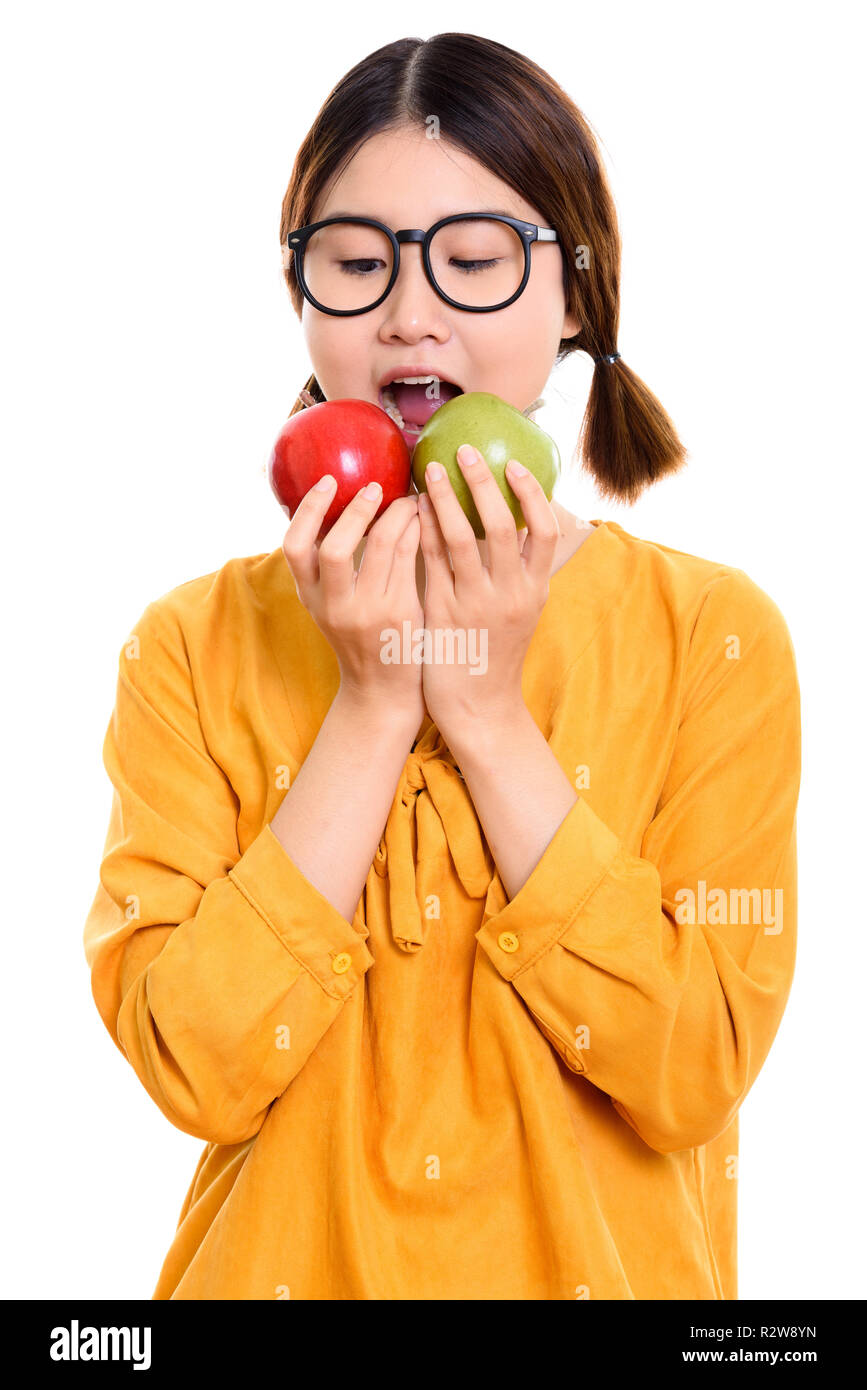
(331, 818)
(520, 792)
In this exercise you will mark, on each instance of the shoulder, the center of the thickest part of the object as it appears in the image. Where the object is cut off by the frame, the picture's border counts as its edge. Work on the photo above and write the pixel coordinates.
(729, 634)
(191, 642)
(226, 601)
(702, 593)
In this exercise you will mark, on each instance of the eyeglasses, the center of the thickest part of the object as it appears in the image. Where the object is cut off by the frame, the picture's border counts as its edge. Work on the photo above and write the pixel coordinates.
(477, 261)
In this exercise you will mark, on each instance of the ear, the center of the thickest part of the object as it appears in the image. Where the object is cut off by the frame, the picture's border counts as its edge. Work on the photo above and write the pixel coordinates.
(571, 326)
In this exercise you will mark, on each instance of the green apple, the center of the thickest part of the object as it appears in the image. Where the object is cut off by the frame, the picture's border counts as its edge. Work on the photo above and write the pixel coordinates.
(500, 432)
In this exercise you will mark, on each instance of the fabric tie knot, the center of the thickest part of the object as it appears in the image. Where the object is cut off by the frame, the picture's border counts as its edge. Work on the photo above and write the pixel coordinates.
(431, 807)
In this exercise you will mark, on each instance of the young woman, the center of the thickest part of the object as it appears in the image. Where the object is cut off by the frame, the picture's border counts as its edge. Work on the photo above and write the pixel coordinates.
(462, 975)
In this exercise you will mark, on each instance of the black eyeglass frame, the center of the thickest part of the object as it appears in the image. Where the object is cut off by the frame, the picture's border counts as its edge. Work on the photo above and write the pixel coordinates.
(528, 232)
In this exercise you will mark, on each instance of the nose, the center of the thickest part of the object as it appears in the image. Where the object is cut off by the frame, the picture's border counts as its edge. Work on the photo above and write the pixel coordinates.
(413, 306)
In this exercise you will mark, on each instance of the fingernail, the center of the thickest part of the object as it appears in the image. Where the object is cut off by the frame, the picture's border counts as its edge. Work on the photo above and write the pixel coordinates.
(371, 490)
(518, 469)
(424, 502)
(466, 454)
(325, 484)
(434, 471)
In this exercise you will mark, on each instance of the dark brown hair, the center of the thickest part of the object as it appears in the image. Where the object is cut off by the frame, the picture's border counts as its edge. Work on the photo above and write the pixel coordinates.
(507, 113)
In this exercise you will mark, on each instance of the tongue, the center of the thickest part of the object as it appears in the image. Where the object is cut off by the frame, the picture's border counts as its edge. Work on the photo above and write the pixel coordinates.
(416, 406)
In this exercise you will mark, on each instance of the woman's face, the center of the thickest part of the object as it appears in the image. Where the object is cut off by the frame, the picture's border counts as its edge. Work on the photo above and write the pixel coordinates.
(405, 179)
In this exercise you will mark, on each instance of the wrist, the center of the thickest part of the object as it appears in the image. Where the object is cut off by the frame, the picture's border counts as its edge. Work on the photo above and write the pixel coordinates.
(478, 738)
(377, 713)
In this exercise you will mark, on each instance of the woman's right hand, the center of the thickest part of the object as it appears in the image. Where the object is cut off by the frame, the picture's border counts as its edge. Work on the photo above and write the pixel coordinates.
(353, 608)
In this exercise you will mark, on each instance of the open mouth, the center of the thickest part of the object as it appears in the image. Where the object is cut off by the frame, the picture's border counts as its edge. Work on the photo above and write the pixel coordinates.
(411, 401)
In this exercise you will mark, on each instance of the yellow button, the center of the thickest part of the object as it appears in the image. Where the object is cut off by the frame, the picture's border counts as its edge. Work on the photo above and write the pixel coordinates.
(341, 963)
(507, 941)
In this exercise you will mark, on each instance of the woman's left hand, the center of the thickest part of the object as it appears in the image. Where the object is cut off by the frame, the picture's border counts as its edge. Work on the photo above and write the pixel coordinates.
(493, 607)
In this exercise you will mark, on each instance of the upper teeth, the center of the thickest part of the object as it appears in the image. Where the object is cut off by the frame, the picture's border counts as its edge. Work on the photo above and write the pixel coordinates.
(414, 380)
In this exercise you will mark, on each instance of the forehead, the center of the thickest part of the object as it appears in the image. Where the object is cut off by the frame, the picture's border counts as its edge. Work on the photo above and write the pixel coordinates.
(406, 179)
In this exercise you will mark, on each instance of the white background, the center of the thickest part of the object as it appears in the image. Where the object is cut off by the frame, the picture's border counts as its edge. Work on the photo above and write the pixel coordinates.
(150, 354)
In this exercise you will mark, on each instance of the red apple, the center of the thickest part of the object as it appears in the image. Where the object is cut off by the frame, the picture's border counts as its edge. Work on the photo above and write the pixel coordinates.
(353, 440)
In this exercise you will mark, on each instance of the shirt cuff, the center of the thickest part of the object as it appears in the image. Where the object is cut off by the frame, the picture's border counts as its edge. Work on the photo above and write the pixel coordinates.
(308, 925)
(516, 932)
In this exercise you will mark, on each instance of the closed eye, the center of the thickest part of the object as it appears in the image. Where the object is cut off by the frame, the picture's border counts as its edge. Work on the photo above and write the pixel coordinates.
(361, 267)
(469, 267)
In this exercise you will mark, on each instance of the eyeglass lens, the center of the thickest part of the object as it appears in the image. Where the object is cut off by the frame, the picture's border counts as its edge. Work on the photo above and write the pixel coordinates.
(477, 263)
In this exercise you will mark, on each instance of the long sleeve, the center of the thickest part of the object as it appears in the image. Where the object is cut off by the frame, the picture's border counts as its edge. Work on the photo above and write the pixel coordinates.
(662, 976)
(216, 972)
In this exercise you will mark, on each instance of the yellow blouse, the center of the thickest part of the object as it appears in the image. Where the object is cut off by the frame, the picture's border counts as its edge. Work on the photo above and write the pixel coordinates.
(458, 1095)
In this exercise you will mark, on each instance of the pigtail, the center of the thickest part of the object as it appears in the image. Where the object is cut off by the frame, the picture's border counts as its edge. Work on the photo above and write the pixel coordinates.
(627, 441)
(312, 387)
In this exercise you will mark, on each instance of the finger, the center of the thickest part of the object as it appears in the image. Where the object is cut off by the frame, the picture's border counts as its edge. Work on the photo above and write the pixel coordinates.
(504, 555)
(337, 551)
(454, 525)
(299, 543)
(543, 529)
(401, 580)
(380, 544)
(440, 580)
